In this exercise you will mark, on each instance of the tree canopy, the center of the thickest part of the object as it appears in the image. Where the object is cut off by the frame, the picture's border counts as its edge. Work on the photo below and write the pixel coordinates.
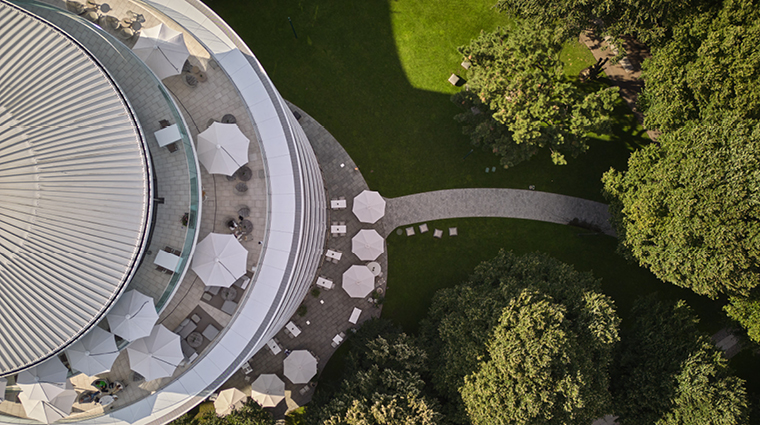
(250, 414)
(650, 20)
(462, 320)
(669, 373)
(710, 66)
(688, 209)
(541, 369)
(381, 383)
(516, 76)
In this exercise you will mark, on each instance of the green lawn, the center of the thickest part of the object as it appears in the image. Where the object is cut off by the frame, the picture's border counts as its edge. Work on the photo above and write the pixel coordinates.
(374, 74)
(420, 265)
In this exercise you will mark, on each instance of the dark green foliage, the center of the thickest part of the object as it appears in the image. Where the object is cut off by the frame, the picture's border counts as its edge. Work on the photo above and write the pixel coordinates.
(746, 311)
(462, 319)
(688, 209)
(649, 20)
(712, 65)
(382, 383)
(670, 373)
(544, 367)
(517, 81)
(250, 414)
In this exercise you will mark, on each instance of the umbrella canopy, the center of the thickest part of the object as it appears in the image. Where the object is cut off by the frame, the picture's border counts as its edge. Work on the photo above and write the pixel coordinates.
(162, 49)
(223, 148)
(49, 411)
(43, 382)
(157, 355)
(229, 400)
(369, 206)
(94, 353)
(358, 281)
(219, 260)
(3, 384)
(367, 244)
(133, 316)
(268, 390)
(300, 366)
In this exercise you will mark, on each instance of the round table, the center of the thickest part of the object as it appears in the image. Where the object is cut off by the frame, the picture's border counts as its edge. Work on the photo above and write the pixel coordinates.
(244, 173)
(195, 339)
(229, 119)
(247, 227)
(228, 294)
(374, 267)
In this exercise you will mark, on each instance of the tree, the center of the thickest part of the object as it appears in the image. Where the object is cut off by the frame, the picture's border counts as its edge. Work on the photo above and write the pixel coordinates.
(381, 385)
(461, 320)
(688, 209)
(669, 373)
(650, 21)
(517, 75)
(712, 65)
(543, 369)
(746, 311)
(250, 414)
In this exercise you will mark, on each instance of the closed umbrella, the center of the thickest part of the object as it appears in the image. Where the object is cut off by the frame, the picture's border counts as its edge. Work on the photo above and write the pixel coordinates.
(3, 384)
(219, 260)
(45, 381)
(222, 148)
(367, 244)
(369, 206)
(133, 316)
(268, 390)
(157, 355)
(94, 353)
(358, 281)
(229, 400)
(162, 49)
(300, 366)
(49, 411)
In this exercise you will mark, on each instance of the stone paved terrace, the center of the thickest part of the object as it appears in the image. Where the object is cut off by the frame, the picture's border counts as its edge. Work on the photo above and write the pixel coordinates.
(328, 313)
(207, 101)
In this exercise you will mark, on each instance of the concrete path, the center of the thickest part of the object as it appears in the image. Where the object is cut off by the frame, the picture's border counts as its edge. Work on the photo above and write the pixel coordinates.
(507, 203)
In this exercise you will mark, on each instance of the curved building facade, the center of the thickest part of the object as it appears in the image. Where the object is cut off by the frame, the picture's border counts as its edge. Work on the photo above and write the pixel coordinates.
(98, 198)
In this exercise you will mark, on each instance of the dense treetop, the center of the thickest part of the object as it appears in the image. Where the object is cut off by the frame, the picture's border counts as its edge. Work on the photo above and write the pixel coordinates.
(668, 372)
(689, 209)
(517, 82)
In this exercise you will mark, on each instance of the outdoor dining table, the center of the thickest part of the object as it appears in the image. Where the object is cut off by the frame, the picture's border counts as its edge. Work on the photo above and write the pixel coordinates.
(167, 135)
(374, 267)
(338, 204)
(290, 326)
(272, 344)
(195, 339)
(338, 339)
(333, 254)
(338, 229)
(324, 283)
(228, 294)
(166, 260)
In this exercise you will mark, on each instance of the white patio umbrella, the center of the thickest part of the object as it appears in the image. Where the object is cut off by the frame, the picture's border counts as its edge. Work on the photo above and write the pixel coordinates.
(94, 353)
(358, 281)
(222, 148)
(45, 381)
(162, 49)
(157, 355)
(229, 400)
(219, 260)
(3, 384)
(133, 316)
(300, 366)
(367, 244)
(49, 411)
(369, 206)
(268, 390)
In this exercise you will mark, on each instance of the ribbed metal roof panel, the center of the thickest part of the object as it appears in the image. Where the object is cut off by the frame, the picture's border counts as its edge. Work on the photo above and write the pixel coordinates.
(74, 191)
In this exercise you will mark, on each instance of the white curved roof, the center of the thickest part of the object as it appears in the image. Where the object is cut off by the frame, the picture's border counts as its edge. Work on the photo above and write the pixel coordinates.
(75, 191)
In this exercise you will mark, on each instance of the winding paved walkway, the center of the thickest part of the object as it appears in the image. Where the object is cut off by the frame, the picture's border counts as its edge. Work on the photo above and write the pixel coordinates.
(507, 203)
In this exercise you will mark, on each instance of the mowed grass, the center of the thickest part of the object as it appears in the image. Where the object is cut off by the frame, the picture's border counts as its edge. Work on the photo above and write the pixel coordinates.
(420, 265)
(374, 74)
